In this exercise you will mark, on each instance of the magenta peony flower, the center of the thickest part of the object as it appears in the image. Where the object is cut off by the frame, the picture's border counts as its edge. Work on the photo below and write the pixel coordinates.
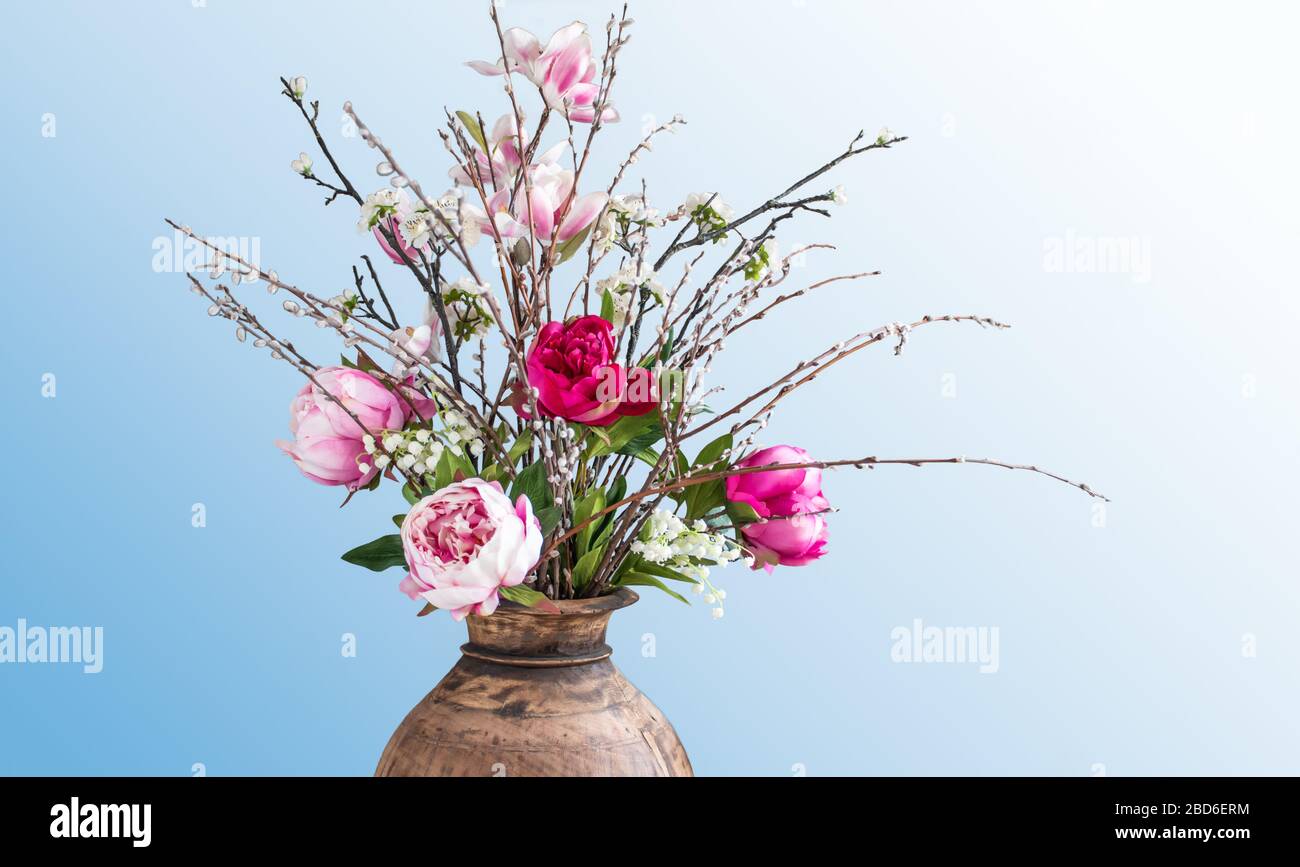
(465, 542)
(328, 445)
(563, 70)
(572, 367)
(793, 533)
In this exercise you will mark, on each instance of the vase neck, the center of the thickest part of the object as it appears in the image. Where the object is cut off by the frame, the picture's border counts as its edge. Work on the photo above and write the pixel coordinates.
(514, 635)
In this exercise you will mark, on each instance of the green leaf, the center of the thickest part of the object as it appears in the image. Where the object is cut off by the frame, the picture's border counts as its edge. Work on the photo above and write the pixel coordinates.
(411, 495)
(617, 490)
(679, 495)
(645, 567)
(607, 306)
(584, 509)
(383, 553)
(531, 482)
(399, 520)
(449, 464)
(472, 127)
(667, 351)
(712, 453)
(568, 249)
(704, 498)
(603, 527)
(597, 432)
(520, 447)
(549, 518)
(742, 513)
(622, 432)
(642, 441)
(529, 598)
(650, 581)
(585, 568)
(649, 457)
(492, 473)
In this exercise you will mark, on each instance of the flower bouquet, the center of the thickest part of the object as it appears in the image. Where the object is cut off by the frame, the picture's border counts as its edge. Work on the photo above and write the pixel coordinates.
(549, 419)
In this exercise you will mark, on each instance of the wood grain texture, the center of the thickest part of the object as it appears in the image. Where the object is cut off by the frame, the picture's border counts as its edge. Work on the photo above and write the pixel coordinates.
(537, 695)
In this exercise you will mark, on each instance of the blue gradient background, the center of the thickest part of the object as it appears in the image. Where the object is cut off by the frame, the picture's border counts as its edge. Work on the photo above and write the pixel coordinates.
(1120, 646)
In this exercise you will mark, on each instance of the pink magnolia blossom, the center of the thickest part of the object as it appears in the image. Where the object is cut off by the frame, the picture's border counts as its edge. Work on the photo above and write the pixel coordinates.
(413, 226)
(563, 70)
(394, 225)
(464, 543)
(419, 341)
(794, 532)
(328, 444)
(552, 190)
(500, 165)
(572, 367)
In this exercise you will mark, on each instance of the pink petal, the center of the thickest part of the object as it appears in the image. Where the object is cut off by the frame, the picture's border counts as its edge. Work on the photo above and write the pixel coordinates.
(521, 45)
(564, 37)
(482, 67)
(569, 66)
(581, 214)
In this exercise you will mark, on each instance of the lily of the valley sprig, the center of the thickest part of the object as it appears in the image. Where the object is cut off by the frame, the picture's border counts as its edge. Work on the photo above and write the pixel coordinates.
(550, 419)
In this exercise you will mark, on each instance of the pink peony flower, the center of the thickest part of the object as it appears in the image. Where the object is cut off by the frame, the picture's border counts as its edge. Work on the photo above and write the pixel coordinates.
(465, 542)
(563, 70)
(793, 534)
(328, 446)
(552, 188)
(572, 367)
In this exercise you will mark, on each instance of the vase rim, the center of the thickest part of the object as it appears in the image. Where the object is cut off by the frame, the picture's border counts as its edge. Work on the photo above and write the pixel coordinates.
(622, 597)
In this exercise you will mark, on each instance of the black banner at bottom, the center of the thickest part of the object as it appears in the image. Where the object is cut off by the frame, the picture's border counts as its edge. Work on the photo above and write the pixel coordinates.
(254, 814)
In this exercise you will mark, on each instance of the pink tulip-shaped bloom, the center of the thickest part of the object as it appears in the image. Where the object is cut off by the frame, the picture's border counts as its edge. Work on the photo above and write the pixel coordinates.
(551, 208)
(328, 446)
(563, 70)
(572, 367)
(464, 543)
(793, 532)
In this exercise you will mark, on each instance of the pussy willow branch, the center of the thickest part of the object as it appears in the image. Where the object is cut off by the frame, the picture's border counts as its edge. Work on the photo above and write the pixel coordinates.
(462, 255)
(615, 39)
(467, 163)
(349, 189)
(525, 177)
(833, 356)
(368, 303)
(776, 202)
(311, 118)
(514, 343)
(314, 302)
(858, 463)
(458, 250)
(286, 351)
(317, 313)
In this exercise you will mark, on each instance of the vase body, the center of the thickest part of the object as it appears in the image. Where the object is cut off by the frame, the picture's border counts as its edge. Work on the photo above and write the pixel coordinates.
(536, 694)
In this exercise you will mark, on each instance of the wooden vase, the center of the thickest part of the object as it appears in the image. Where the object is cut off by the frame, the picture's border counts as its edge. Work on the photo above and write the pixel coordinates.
(536, 694)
